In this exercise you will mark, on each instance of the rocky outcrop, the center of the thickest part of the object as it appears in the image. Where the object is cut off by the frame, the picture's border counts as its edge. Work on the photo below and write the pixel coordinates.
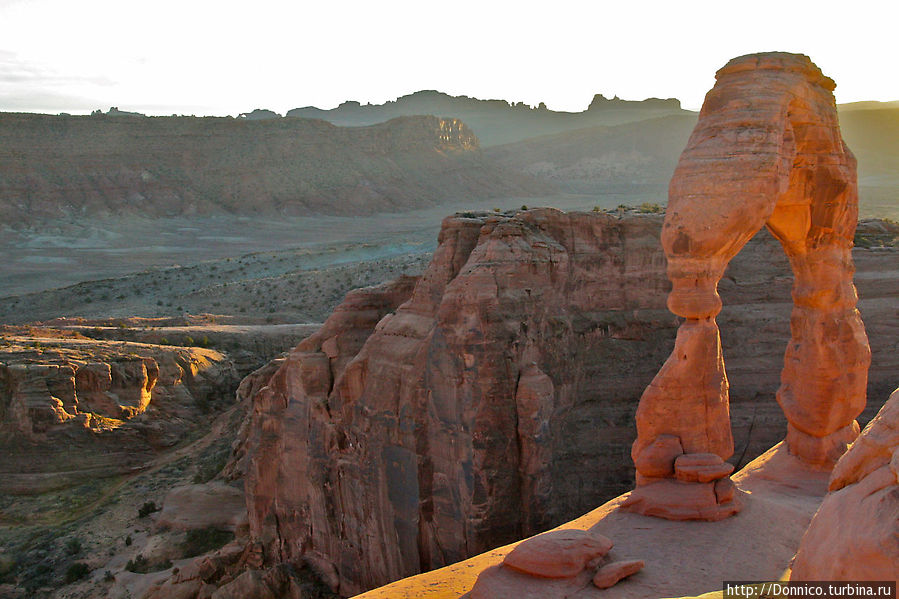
(457, 423)
(855, 533)
(558, 563)
(431, 419)
(73, 405)
(84, 167)
(766, 151)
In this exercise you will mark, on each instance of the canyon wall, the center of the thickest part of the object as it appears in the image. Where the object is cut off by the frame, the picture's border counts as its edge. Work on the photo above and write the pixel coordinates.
(495, 396)
(83, 166)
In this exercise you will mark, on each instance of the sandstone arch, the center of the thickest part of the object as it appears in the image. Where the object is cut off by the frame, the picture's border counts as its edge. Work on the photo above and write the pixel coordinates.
(767, 151)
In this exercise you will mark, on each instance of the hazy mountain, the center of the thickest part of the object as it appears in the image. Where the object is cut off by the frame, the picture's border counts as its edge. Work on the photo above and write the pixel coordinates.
(588, 160)
(496, 121)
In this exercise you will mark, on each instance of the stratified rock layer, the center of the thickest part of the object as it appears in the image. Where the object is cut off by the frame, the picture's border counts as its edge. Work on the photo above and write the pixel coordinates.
(855, 533)
(497, 399)
(461, 422)
(766, 151)
(89, 166)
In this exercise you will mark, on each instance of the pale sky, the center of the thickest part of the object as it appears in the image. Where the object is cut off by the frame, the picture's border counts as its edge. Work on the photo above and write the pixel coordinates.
(223, 57)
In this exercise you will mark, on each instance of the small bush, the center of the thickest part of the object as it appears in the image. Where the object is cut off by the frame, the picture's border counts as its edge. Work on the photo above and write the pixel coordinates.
(108, 576)
(7, 570)
(128, 541)
(147, 509)
(73, 546)
(649, 208)
(138, 565)
(76, 572)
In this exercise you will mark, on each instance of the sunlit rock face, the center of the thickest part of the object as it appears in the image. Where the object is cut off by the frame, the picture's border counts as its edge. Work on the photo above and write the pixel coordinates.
(495, 396)
(73, 406)
(426, 424)
(766, 152)
(855, 533)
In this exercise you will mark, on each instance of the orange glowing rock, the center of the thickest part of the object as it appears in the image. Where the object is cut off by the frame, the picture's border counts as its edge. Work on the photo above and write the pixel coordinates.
(767, 151)
(855, 533)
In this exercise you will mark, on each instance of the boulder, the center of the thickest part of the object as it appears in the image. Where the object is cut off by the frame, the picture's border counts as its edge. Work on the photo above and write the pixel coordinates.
(855, 533)
(558, 553)
(613, 572)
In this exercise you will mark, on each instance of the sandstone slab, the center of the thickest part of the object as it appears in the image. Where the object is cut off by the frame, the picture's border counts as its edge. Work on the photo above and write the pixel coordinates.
(208, 505)
(558, 553)
(610, 574)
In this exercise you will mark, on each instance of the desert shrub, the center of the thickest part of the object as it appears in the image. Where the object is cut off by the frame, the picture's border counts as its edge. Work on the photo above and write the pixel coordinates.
(863, 241)
(188, 340)
(76, 572)
(649, 208)
(37, 576)
(128, 541)
(108, 576)
(7, 570)
(211, 464)
(139, 564)
(203, 540)
(73, 546)
(146, 509)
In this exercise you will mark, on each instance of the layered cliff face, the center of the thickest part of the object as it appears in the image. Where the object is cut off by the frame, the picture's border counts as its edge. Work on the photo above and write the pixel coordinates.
(70, 406)
(469, 416)
(67, 166)
(498, 399)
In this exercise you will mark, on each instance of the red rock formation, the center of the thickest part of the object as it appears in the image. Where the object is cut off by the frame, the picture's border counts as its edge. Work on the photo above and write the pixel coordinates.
(766, 151)
(855, 533)
(457, 424)
(74, 405)
(612, 573)
(558, 563)
(558, 553)
(499, 400)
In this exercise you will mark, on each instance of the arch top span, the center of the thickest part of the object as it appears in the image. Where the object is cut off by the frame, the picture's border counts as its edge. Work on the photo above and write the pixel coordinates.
(766, 151)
